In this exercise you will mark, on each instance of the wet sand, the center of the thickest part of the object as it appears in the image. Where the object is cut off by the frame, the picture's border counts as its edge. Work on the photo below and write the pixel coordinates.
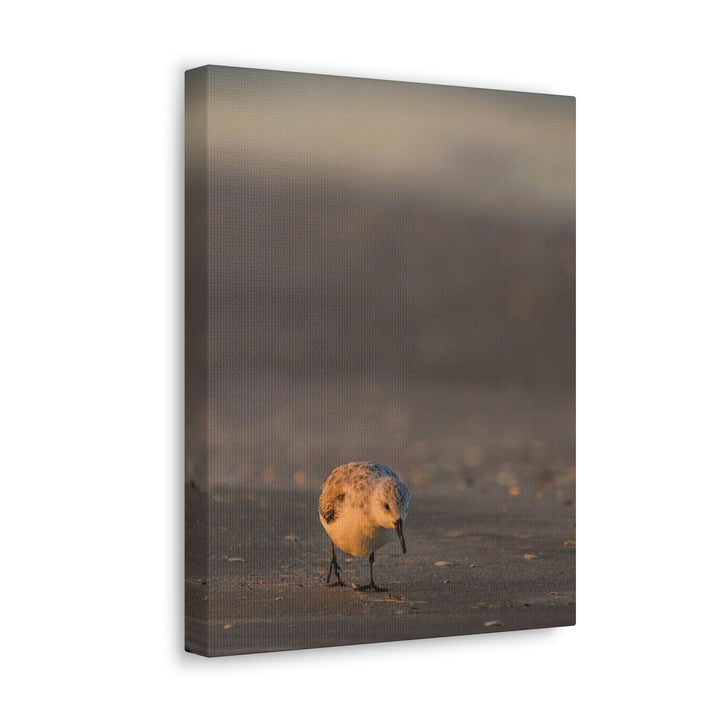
(479, 560)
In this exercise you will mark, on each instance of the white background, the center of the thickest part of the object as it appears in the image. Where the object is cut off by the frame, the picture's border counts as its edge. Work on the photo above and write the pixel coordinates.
(91, 302)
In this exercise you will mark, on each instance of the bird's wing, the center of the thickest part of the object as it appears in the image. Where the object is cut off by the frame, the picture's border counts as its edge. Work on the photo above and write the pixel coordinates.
(331, 497)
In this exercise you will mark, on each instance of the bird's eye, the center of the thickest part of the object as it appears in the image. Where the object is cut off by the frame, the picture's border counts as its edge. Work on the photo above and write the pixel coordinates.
(387, 507)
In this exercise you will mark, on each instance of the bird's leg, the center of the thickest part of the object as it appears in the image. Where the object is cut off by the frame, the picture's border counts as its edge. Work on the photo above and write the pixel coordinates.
(334, 566)
(372, 585)
(372, 580)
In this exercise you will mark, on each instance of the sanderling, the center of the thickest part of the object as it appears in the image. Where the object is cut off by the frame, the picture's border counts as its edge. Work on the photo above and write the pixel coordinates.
(360, 504)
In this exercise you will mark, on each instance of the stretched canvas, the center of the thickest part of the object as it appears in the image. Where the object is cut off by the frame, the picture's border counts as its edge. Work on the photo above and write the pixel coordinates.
(380, 361)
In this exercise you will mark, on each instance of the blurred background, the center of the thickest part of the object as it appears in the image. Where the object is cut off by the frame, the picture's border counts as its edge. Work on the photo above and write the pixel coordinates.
(391, 277)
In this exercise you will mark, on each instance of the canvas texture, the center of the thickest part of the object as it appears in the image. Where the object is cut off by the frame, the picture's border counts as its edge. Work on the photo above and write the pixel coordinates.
(379, 277)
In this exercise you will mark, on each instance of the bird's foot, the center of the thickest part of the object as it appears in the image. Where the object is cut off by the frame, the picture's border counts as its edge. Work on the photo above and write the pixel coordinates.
(337, 583)
(370, 587)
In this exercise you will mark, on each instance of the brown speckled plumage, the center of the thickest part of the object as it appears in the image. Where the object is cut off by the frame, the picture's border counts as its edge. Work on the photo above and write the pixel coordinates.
(350, 481)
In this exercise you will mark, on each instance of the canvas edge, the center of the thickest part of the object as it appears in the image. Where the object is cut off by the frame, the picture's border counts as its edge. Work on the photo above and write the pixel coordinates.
(196, 345)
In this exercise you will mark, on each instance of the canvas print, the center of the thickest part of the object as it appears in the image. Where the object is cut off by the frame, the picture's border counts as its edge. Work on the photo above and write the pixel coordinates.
(380, 361)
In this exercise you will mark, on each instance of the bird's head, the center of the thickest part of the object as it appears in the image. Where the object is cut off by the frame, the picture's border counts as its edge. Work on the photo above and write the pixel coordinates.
(390, 503)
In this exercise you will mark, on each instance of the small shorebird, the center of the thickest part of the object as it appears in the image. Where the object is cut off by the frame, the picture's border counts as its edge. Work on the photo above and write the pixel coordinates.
(360, 505)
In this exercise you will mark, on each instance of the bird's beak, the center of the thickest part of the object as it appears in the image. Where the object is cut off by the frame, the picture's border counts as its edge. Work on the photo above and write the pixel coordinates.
(398, 527)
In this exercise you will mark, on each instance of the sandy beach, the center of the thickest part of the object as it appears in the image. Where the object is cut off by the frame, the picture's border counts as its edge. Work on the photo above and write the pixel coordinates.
(487, 559)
